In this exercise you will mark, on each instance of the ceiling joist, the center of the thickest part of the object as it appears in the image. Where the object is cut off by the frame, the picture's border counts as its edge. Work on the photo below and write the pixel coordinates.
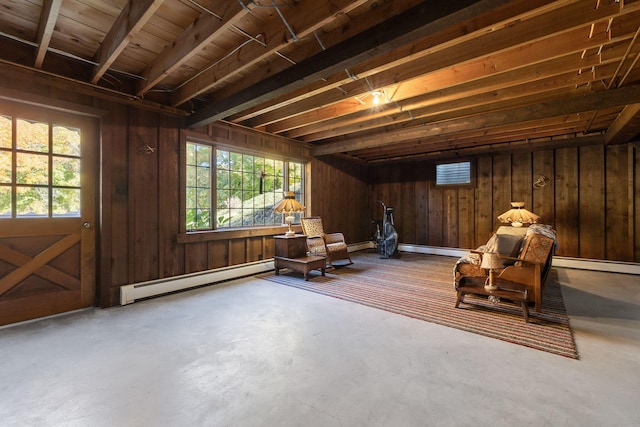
(454, 76)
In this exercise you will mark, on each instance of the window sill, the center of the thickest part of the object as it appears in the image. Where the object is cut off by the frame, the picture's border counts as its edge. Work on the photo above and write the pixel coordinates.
(233, 233)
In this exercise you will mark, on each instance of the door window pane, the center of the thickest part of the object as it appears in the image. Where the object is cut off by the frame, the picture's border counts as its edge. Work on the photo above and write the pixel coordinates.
(5, 132)
(5, 167)
(5, 201)
(32, 136)
(66, 202)
(66, 172)
(32, 168)
(66, 141)
(32, 201)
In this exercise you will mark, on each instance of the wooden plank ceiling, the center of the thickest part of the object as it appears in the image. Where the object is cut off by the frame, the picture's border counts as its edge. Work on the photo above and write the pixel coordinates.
(452, 77)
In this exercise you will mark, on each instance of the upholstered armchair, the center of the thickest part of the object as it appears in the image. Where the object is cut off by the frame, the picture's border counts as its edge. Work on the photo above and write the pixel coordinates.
(331, 245)
(526, 254)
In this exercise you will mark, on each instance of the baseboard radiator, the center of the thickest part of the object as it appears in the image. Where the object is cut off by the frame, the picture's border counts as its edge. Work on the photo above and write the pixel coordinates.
(131, 293)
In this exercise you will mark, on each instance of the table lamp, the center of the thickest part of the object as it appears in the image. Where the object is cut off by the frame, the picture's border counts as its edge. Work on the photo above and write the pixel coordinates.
(518, 215)
(491, 261)
(288, 206)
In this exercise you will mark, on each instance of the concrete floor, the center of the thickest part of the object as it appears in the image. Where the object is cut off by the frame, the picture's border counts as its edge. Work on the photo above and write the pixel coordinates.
(255, 353)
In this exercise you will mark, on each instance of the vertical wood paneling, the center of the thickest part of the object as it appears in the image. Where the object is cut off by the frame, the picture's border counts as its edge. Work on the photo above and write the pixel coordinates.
(501, 187)
(484, 201)
(404, 217)
(566, 202)
(357, 224)
(592, 221)
(114, 232)
(590, 201)
(636, 203)
(618, 242)
(218, 253)
(143, 195)
(450, 217)
(544, 196)
(171, 256)
(397, 186)
(340, 197)
(421, 207)
(254, 249)
(195, 257)
(521, 183)
(237, 251)
(466, 218)
(631, 197)
(436, 207)
(269, 247)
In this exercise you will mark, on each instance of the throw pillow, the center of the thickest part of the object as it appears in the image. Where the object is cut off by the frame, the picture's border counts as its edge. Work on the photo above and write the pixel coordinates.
(504, 244)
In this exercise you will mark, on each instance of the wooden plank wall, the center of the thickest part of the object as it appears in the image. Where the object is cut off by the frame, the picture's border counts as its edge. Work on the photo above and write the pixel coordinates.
(140, 230)
(591, 199)
(339, 193)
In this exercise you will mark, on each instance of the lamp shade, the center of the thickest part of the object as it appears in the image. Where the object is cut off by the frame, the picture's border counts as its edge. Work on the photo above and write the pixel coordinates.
(491, 261)
(289, 204)
(518, 215)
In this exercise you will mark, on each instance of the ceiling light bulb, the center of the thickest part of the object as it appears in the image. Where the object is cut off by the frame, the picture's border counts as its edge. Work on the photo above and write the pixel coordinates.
(376, 98)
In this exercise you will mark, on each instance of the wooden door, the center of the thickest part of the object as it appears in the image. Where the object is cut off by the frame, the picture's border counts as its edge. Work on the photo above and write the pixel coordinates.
(47, 212)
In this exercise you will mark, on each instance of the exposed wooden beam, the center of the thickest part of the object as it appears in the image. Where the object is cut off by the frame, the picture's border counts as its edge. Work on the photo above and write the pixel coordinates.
(475, 55)
(462, 107)
(48, 18)
(199, 34)
(503, 148)
(16, 75)
(566, 126)
(275, 38)
(404, 28)
(625, 127)
(479, 76)
(462, 31)
(132, 18)
(591, 102)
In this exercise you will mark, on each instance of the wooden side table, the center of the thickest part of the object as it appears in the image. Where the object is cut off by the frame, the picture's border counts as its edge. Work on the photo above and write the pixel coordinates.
(291, 252)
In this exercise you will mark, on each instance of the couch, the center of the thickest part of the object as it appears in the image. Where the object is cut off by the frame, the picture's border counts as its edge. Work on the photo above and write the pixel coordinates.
(527, 253)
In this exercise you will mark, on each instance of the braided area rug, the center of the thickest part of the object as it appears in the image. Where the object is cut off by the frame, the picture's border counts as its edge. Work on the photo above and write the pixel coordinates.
(421, 286)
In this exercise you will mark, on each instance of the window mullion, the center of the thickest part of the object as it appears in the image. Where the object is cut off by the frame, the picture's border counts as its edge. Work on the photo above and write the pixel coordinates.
(285, 177)
(213, 193)
(14, 167)
(50, 170)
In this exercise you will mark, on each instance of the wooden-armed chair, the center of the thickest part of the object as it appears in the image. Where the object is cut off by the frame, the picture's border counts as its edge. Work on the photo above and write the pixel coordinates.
(331, 245)
(528, 270)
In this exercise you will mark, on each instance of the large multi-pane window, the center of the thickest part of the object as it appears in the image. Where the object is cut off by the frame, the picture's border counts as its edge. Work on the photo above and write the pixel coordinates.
(39, 169)
(246, 187)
